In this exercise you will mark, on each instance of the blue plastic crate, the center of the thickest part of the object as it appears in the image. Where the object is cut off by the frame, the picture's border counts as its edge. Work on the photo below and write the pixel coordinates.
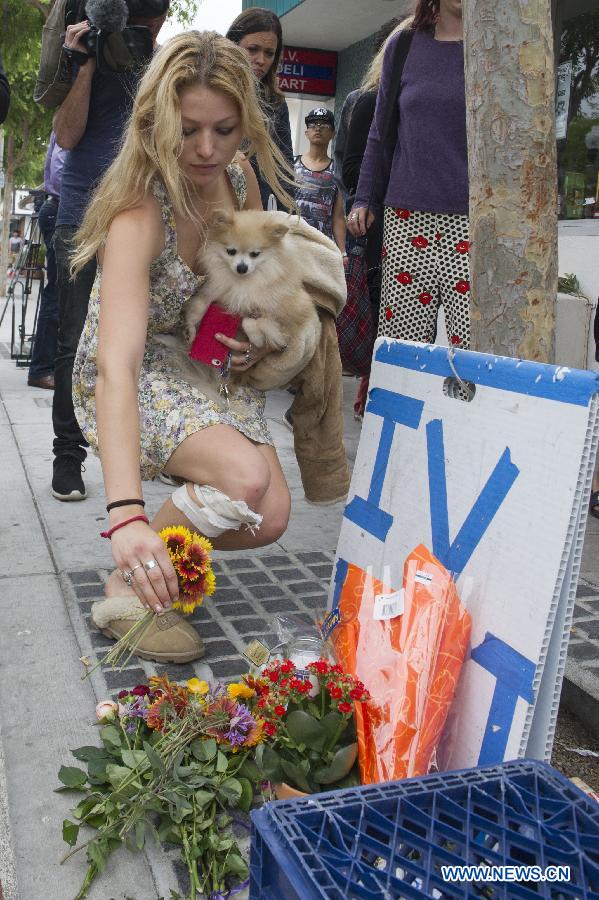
(390, 840)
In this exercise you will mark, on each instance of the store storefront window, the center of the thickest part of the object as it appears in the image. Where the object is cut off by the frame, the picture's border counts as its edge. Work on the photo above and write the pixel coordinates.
(577, 113)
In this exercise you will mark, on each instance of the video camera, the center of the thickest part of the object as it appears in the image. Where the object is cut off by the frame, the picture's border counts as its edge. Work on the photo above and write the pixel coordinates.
(115, 45)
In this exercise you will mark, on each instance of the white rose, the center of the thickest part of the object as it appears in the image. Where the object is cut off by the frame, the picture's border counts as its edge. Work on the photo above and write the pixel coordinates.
(106, 710)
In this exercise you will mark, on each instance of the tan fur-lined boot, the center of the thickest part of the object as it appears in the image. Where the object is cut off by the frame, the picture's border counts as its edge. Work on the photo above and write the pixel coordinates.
(169, 638)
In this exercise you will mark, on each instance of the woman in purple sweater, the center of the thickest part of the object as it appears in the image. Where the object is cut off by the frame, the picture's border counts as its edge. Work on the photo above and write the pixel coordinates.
(419, 173)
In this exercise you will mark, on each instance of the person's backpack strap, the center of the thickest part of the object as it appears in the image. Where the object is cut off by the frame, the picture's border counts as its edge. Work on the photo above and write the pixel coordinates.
(402, 48)
(391, 112)
(54, 73)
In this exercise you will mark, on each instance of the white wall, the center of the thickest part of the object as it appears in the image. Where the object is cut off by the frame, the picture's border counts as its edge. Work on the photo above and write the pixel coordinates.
(578, 252)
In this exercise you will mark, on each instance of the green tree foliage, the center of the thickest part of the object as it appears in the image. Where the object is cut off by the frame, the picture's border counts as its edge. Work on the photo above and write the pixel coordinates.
(580, 43)
(28, 125)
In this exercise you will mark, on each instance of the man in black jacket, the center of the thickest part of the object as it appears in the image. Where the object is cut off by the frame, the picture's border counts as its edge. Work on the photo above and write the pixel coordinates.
(89, 124)
(4, 94)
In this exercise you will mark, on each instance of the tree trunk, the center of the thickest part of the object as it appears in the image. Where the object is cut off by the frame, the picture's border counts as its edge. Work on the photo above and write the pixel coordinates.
(6, 211)
(508, 51)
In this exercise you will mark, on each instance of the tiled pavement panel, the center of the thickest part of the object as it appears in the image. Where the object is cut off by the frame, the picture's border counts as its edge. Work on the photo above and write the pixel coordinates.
(584, 640)
(250, 593)
(253, 591)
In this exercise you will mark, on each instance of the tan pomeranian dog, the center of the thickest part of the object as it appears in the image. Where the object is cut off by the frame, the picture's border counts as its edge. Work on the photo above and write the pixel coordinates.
(253, 272)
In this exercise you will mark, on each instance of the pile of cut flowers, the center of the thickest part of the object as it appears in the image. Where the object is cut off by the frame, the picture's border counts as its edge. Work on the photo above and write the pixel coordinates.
(181, 763)
(175, 765)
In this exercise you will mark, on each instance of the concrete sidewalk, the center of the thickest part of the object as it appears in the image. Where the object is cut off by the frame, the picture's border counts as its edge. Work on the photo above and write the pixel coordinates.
(52, 567)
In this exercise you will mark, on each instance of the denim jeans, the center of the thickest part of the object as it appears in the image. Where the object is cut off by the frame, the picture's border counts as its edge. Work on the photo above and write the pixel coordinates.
(46, 334)
(73, 298)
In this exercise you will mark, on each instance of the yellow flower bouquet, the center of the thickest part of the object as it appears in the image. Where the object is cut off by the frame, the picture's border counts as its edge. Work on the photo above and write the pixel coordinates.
(190, 556)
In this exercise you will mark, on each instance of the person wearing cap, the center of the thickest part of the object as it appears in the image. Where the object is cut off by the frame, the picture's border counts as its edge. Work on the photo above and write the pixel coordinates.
(318, 197)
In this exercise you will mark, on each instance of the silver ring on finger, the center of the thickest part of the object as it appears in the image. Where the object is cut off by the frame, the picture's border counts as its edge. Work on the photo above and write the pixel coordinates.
(135, 568)
(150, 564)
(248, 355)
(127, 577)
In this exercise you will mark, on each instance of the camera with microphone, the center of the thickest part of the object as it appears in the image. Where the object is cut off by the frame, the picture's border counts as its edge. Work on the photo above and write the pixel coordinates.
(111, 41)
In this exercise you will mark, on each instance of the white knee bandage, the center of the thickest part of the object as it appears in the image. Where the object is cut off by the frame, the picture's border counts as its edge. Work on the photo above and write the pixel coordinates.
(217, 512)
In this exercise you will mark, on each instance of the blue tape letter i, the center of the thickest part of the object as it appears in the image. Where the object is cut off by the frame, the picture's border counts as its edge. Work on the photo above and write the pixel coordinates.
(394, 409)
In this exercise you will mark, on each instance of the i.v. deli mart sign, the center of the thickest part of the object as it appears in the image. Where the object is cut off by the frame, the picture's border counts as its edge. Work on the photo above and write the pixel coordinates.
(303, 71)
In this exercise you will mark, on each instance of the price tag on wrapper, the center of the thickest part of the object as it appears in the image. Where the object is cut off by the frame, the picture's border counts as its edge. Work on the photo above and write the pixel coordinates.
(388, 606)
(256, 653)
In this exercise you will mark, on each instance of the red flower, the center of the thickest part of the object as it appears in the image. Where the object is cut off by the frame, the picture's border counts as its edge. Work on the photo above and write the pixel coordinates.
(384, 253)
(389, 313)
(287, 666)
(279, 710)
(295, 684)
(261, 703)
(402, 213)
(336, 692)
(345, 707)
(357, 693)
(187, 569)
(420, 242)
(273, 676)
(305, 687)
(462, 287)
(320, 666)
(455, 339)
(425, 298)
(437, 235)
(269, 728)
(337, 668)
(403, 278)
(462, 246)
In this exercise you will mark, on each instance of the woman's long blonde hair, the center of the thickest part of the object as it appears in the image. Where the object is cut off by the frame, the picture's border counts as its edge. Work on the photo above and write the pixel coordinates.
(153, 139)
(372, 78)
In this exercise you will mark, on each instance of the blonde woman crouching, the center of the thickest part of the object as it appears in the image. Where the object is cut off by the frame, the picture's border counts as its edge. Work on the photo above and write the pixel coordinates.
(178, 163)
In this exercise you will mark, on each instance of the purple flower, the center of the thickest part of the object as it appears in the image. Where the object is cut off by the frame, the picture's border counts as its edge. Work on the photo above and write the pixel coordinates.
(130, 712)
(240, 725)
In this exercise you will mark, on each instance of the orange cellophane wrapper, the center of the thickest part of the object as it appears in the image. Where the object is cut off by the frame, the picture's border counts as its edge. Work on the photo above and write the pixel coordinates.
(410, 664)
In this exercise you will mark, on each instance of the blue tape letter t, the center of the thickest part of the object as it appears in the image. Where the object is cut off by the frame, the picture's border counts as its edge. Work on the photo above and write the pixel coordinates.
(514, 674)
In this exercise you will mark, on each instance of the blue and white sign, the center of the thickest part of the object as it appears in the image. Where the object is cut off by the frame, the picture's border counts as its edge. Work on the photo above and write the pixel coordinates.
(497, 488)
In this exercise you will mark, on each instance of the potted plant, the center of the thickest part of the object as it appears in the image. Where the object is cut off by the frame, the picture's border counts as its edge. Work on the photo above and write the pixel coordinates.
(309, 718)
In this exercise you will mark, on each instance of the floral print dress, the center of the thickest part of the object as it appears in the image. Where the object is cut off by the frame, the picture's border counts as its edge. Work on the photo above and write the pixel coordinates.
(170, 408)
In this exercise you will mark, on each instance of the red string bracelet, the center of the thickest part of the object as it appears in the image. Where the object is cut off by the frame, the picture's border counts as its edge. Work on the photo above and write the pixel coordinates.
(110, 532)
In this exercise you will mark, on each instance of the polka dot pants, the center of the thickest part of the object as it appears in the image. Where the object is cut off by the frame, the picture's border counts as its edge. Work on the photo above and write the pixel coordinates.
(425, 265)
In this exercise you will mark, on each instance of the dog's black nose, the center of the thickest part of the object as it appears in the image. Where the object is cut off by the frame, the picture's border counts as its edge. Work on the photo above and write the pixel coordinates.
(242, 268)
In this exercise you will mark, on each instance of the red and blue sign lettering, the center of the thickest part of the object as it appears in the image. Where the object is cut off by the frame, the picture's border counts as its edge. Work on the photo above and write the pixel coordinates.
(303, 71)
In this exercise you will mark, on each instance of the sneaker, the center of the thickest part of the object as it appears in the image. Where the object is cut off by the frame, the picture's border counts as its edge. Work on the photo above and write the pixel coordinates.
(67, 483)
(287, 419)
